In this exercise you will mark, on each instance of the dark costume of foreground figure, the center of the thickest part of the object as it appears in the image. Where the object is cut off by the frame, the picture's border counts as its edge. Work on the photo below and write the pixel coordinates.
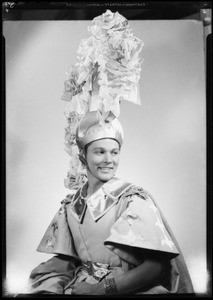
(108, 237)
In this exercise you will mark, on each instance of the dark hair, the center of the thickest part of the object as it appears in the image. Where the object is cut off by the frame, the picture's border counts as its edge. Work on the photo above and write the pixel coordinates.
(87, 146)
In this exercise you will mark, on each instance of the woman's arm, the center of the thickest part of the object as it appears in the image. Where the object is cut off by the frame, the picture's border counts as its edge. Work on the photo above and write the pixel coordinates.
(130, 281)
(140, 276)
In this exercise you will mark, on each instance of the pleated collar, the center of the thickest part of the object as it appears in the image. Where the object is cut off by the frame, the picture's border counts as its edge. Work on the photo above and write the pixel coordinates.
(101, 201)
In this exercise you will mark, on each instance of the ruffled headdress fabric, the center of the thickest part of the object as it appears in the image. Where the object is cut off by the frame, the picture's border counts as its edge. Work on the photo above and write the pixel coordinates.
(107, 71)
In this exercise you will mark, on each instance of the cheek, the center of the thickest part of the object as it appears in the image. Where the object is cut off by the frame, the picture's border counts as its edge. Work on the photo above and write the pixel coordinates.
(116, 160)
(92, 161)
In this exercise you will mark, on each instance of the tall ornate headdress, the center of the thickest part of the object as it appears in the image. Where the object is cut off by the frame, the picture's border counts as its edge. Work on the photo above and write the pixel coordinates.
(107, 71)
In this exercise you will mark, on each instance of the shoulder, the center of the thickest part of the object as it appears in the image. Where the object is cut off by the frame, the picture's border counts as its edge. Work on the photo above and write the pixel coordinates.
(67, 201)
(138, 199)
(120, 188)
(137, 191)
(139, 202)
(134, 196)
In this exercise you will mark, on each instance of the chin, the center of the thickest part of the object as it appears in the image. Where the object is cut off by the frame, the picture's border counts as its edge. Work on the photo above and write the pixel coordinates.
(105, 177)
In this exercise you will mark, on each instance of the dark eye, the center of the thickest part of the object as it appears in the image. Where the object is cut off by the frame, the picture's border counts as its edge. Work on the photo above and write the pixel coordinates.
(115, 152)
(99, 152)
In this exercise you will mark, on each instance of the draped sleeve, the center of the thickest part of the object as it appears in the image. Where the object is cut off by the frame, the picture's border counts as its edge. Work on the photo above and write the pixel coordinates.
(140, 231)
(141, 226)
(58, 237)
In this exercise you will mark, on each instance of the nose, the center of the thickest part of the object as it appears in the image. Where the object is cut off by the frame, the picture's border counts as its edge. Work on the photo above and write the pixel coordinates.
(107, 157)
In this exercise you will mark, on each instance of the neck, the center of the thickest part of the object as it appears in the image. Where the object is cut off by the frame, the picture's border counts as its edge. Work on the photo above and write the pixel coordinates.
(93, 184)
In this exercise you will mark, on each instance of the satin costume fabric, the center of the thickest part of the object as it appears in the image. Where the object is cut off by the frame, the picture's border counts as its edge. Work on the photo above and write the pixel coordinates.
(106, 235)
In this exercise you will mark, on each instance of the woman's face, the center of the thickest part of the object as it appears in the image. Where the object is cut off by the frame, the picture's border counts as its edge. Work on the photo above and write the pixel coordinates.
(102, 159)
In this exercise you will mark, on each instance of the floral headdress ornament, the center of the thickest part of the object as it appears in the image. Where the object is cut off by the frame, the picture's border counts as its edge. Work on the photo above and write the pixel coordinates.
(107, 71)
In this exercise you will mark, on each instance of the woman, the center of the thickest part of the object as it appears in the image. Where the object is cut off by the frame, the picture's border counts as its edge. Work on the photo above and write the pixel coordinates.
(109, 237)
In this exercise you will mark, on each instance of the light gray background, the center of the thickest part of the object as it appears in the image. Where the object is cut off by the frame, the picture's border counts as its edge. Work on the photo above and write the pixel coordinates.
(164, 148)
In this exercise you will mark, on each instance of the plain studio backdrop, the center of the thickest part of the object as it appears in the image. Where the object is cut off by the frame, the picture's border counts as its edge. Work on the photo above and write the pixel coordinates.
(164, 145)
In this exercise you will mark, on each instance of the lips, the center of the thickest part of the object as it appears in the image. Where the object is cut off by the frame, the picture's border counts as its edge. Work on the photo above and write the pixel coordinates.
(105, 168)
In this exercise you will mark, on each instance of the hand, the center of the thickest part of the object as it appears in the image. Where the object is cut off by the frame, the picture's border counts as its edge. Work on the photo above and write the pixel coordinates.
(84, 288)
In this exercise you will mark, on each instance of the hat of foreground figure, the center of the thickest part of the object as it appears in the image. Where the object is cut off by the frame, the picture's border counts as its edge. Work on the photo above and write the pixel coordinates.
(107, 72)
(93, 127)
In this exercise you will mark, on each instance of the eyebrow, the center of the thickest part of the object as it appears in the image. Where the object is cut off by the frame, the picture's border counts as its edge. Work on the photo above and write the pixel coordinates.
(101, 148)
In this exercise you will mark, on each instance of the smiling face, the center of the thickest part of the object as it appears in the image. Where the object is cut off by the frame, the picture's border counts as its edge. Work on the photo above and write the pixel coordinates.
(102, 157)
